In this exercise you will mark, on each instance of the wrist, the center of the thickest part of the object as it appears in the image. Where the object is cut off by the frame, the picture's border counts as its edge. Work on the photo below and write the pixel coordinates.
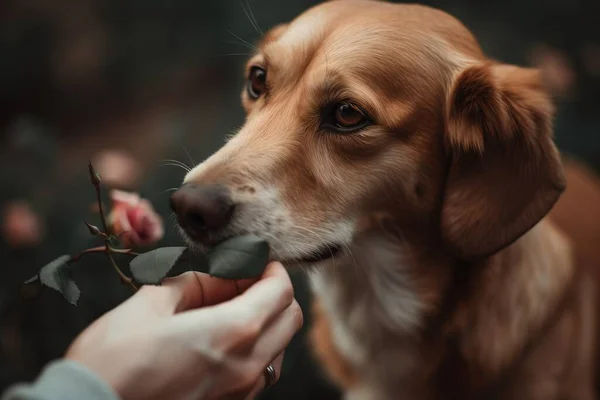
(67, 380)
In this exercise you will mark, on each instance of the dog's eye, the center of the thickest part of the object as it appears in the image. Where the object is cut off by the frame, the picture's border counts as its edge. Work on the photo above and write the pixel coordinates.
(346, 117)
(257, 82)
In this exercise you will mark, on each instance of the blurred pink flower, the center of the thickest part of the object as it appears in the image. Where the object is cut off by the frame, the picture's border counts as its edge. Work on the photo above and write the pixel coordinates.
(134, 219)
(556, 69)
(21, 226)
(117, 168)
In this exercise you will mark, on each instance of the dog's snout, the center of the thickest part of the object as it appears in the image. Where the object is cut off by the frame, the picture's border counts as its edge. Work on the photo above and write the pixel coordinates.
(202, 210)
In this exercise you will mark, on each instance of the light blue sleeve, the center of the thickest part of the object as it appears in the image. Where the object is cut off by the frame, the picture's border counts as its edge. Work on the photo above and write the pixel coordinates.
(63, 380)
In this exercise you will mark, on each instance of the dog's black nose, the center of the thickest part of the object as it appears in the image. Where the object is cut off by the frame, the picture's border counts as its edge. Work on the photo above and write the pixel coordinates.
(202, 210)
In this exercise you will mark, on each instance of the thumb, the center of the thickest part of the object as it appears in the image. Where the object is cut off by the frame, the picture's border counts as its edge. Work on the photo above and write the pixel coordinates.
(194, 289)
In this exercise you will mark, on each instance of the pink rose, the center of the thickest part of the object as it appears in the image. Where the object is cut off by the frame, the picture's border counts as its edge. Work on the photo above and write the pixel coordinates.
(117, 168)
(134, 219)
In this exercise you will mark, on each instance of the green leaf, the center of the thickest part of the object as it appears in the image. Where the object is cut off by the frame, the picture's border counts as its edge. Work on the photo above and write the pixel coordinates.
(94, 176)
(152, 267)
(241, 257)
(57, 275)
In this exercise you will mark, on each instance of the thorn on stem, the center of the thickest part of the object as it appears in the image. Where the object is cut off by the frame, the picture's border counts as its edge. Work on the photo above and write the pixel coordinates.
(94, 230)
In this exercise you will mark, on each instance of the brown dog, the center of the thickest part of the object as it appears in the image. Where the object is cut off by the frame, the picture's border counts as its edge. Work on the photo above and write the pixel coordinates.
(413, 174)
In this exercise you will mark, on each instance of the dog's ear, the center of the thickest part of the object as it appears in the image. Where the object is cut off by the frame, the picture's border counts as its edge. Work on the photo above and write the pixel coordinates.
(505, 171)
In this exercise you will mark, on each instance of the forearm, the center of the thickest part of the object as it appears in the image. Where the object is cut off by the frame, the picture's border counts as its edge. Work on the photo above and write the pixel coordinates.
(63, 380)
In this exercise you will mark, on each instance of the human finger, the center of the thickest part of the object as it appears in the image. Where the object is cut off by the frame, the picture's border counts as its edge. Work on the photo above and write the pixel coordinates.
(194, 289)
(264, 300)
(277, 336)
(263, 380)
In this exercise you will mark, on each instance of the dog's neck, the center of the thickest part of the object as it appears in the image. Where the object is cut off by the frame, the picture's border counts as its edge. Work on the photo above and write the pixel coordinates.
(376, 301)
(383, 300)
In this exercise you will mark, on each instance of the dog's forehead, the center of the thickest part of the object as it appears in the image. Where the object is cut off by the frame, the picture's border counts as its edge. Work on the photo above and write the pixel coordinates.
(353, 25)
(390, 47)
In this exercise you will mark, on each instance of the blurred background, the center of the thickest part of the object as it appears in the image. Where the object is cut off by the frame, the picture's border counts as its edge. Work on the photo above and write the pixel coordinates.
(131, 83)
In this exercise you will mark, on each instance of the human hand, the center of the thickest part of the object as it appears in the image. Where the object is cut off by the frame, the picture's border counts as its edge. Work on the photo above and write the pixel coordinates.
(160, 345)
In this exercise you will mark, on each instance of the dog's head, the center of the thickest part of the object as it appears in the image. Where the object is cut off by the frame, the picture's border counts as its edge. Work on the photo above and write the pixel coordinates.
(360, 109)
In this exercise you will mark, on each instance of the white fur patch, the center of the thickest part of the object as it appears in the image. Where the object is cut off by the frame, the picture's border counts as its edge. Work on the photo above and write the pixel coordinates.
(362, 392)
(345, 342)
(369, 298)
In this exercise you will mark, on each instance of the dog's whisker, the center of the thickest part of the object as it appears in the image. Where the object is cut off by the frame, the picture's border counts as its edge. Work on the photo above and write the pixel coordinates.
(302, 236)
(294, 252)
(350, 254)
(186, 169)
(254, 18)
(326, 232)
(240, 44)
(174, 165)
(188, 154)
(314, 232)
(345, 245)
(244, 42)
(272, 237)
(172, 221)
(177, 162)
(163, 164)
(169, 190)
(251, 17)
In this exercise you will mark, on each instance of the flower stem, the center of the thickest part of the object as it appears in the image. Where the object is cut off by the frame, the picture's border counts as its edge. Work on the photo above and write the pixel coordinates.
(102, 217)
(124, 278)
(99, 249)
(107, 249)
(102, 249)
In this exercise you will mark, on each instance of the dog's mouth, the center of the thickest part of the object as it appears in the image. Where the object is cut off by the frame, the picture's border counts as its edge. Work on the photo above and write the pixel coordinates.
(325, 252)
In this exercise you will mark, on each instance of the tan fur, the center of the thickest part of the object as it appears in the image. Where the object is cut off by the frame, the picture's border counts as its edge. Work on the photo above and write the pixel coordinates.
(320, 336)
(577, 214)
(450, 280)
